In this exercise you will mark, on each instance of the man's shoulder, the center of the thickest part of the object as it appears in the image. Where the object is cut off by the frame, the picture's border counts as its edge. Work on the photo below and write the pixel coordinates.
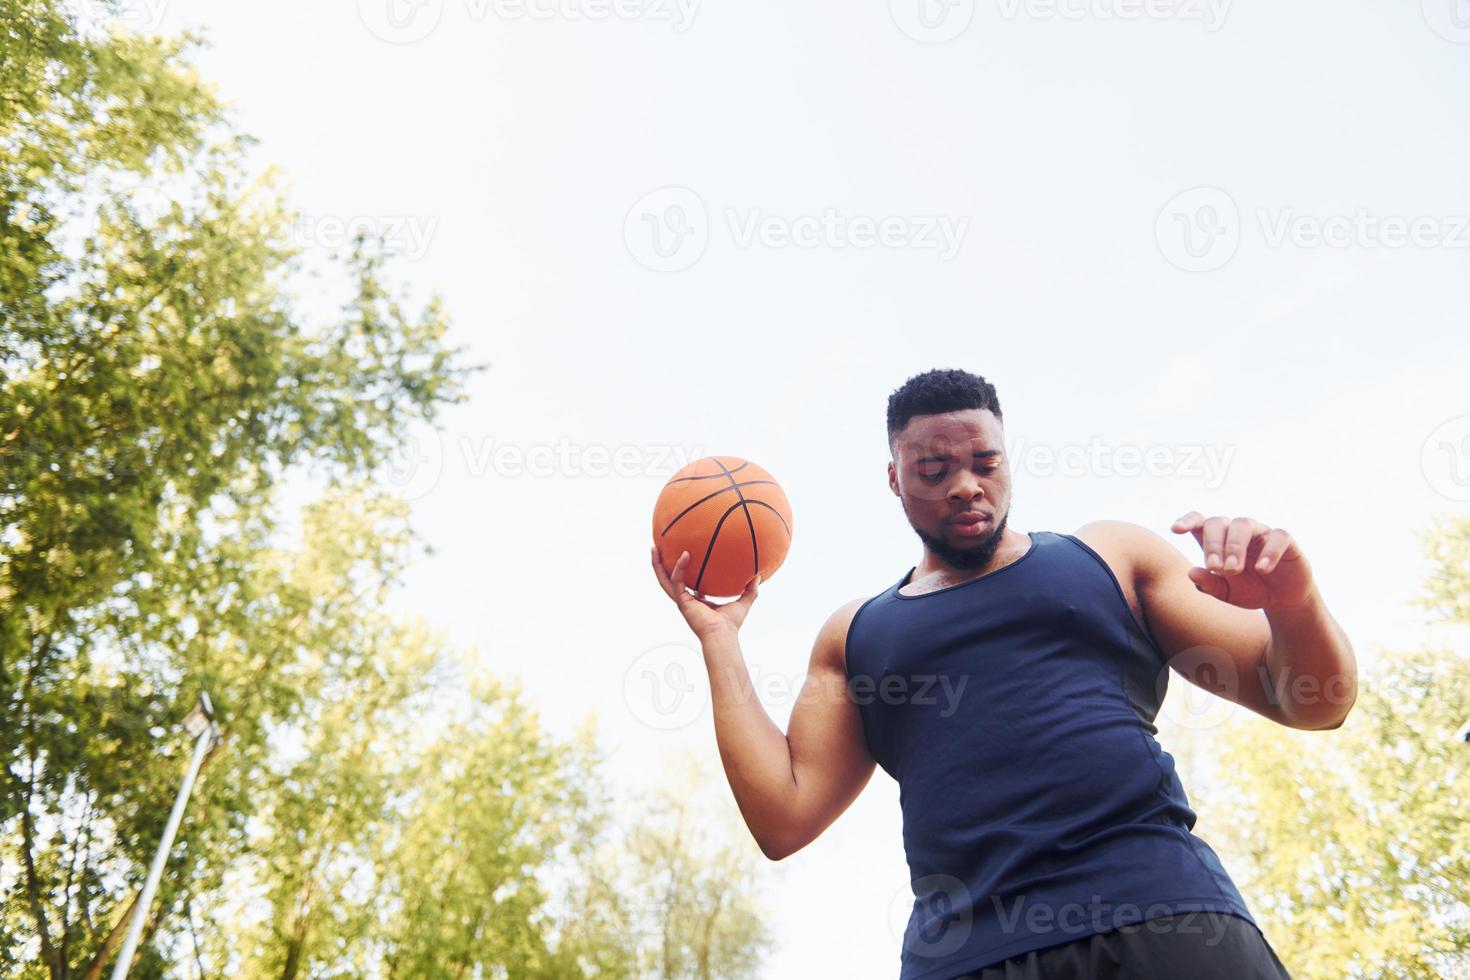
(1125, 533)
(1126, 545)
(831, 648)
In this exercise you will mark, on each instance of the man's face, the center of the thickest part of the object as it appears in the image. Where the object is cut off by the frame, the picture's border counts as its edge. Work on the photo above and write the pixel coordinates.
(947, 466)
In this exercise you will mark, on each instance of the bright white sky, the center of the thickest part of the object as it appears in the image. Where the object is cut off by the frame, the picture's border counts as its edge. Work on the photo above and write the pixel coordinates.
(512, 157)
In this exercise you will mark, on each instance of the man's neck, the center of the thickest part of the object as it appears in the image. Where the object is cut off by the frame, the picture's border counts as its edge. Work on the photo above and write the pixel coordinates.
(932, 573)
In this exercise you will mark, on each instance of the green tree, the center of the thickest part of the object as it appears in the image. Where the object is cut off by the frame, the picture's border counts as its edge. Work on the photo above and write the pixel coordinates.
(319, 792)
(427, 826)
(679, 880)
(493, 804)
(157, 381)
(1354, 847)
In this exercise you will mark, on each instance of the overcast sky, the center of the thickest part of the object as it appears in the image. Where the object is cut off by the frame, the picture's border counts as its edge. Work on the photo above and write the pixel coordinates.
(1213, 255)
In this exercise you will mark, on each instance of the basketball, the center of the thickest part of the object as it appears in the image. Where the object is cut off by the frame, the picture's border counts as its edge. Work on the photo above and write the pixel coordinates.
(731, 516)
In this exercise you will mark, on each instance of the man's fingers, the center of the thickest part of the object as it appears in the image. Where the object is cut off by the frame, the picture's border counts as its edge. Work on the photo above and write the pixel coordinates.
(1193, 523)
(677, 577)
(1212, 540)
(1238, 537)
(1188, 522)
(1274, 546)
(1209, 583)
(1220, 539)
(672, 581)
(1232, 545)
(665, 579)
(660, 574)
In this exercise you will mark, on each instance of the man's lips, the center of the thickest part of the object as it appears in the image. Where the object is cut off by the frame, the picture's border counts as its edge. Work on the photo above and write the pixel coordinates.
(970, 525)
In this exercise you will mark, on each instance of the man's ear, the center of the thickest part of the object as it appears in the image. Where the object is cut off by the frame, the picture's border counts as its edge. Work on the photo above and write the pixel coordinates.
(893, 478)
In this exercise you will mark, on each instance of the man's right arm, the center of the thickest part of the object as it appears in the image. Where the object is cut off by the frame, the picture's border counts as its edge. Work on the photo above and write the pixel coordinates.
(790, 787)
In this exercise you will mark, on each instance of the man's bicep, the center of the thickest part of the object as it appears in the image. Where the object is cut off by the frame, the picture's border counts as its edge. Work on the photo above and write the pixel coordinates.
(1212, 644)
(829, 752)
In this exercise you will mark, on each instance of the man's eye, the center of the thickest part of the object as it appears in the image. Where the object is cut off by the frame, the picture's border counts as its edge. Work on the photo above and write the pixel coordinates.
(987, 469)
(931, 477)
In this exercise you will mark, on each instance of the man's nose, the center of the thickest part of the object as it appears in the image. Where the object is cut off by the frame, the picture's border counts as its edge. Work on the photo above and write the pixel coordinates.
(967, 488)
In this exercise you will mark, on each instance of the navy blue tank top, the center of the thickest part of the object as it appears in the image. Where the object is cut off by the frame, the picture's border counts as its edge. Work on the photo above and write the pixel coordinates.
(1016, 712)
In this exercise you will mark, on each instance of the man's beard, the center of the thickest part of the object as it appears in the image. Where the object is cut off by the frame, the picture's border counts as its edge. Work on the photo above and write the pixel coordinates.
(965, 559)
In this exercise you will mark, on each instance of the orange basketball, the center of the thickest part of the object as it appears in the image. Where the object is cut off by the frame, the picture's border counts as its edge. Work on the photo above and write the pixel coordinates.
(732, 518)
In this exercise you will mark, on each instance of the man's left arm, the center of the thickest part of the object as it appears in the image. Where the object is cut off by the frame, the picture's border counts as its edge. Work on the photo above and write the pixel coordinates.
(1309, 653)
(1250, 625)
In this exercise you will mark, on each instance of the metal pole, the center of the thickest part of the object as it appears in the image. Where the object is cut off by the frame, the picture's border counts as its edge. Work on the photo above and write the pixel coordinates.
(140, 911)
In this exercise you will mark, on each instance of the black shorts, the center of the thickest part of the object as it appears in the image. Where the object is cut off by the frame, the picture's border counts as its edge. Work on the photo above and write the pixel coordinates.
(1197, 945)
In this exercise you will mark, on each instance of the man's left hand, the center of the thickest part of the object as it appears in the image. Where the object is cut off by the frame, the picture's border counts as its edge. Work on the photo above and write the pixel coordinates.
(1247, 563)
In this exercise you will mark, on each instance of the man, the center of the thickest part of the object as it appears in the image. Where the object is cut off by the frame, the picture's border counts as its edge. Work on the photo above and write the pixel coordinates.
(1009, 682)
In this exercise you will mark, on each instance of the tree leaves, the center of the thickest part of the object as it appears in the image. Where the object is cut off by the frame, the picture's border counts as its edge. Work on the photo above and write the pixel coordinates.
(374, 808)
(1357, 842)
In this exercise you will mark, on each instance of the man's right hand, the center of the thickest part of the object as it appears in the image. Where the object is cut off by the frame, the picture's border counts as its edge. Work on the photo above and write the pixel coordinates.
(789, 788)
(705, 618)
